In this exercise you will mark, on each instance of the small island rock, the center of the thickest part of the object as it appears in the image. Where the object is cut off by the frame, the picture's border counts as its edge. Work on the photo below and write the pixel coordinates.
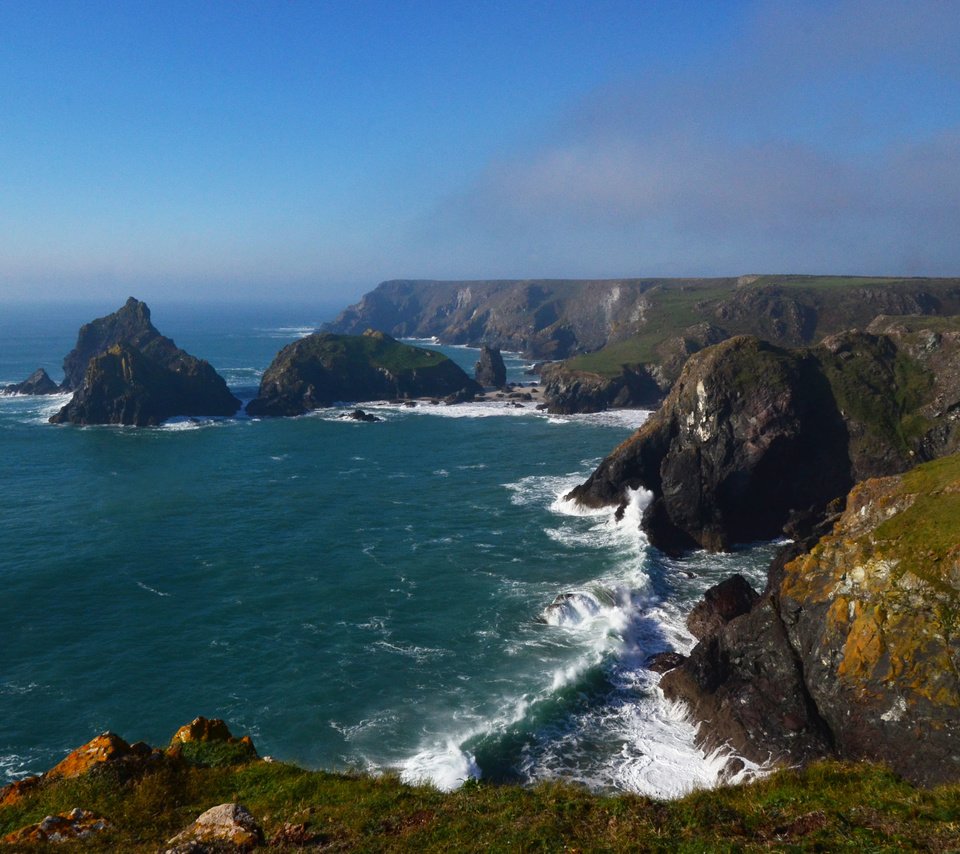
(323, 369)
(490, 371)
(38, 382)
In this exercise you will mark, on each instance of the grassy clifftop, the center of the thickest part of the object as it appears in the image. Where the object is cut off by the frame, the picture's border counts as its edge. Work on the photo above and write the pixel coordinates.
(828, 806)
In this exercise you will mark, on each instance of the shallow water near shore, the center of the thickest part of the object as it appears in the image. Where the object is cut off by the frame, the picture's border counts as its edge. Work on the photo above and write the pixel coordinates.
(353, 595)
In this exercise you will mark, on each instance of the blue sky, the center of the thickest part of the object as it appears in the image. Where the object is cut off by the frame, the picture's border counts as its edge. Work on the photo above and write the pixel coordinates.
(263, 150)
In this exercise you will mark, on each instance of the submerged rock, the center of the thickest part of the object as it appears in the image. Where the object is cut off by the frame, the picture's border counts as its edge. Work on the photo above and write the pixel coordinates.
(490, 371)
(323, 369)
(125, 372)
(38, 382)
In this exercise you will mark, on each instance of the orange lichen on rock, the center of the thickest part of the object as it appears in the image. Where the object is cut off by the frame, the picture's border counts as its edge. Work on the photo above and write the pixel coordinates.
(105, 748)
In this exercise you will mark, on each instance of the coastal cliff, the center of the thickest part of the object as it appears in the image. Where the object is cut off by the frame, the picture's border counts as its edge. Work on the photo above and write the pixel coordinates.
(610, 330)
(751, 432)
(123, 371)
(852, 651)
(323, 369)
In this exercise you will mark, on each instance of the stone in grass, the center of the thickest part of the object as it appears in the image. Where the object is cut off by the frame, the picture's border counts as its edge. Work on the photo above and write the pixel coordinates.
(224, 827)
(65, 827)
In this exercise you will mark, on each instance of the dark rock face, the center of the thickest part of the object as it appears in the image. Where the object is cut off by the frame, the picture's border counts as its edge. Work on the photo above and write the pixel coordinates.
(361, 415)
(731, 598)
(746, 681)
(490, 371)
(124, 371)
(751, 433)
(123, 386)
(37, 383)
(323, 369)
(568, 392)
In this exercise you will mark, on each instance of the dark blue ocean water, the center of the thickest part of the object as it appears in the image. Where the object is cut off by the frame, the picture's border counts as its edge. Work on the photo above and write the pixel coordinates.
(353, 595)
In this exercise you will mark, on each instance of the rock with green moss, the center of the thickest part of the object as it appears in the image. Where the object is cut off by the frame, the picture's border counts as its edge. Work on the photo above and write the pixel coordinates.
(323, 369)
(874, 612)
(752, 433)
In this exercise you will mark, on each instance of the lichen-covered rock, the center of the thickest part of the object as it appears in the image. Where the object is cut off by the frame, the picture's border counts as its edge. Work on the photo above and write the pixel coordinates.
(230, 826)
(105, 749)
(64, 827)
(38, 382)
(490, 370)
(872, 612)
(125, 372)
(323, 369)
(14, 792)
(852, 650)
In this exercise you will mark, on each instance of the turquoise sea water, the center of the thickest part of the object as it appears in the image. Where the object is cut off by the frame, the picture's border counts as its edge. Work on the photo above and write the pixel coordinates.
(353, 595)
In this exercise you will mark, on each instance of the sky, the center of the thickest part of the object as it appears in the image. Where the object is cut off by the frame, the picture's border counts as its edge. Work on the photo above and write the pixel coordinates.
(308, 150)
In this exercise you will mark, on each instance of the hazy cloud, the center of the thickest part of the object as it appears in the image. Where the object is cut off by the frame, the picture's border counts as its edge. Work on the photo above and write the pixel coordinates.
(826, 138)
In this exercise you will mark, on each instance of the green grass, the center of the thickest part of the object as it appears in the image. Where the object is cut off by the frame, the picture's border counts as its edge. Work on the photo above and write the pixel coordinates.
(828, 806)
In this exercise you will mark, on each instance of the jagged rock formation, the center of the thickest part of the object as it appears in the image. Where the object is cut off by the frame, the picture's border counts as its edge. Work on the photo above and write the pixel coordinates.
(124, 371)
(38, 382)
(490, 371)
(323, 369)
(752, 432)
(852, 650)
(124, 386)
(642, 325)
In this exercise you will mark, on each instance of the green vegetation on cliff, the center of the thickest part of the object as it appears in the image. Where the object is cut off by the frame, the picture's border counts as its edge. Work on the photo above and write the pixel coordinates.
(827, 806)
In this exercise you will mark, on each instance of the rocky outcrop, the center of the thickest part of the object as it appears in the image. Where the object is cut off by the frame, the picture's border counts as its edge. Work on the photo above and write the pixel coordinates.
(124, 371)
(38, 382)
(567, 392)
(64, 827)
(323, 369)
(722, 603)
(125, 386)
(490, 371)
(227, 827)
(852, 650)
(748, 433)
(751, 433)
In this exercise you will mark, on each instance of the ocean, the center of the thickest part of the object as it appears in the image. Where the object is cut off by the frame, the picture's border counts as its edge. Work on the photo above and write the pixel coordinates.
(411, 595)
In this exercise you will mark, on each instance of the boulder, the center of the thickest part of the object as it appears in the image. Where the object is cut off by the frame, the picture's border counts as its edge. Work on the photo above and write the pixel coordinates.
(64, 827)
(107, 748)
(38, 382)
(323, 369)
(490, 371)
(731, 598)
(360, 415)
(661, 662)
(229, 826)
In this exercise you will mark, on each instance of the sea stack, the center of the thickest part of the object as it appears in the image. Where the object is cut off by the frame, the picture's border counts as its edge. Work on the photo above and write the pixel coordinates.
(38, 382)
(123, 371)
(490, 371)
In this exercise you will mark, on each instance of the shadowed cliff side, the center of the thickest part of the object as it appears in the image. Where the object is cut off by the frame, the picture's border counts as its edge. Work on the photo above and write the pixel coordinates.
(752, 432)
